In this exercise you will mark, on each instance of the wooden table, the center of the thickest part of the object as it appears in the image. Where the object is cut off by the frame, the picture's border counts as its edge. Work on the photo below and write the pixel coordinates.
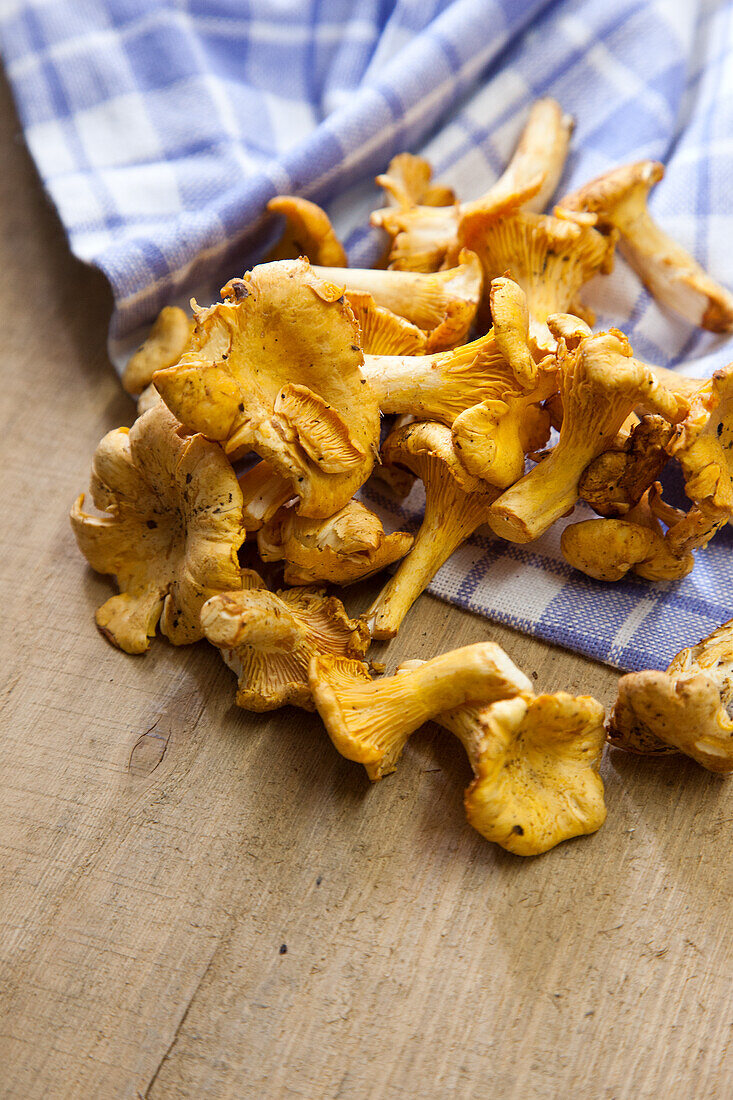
(198, 902)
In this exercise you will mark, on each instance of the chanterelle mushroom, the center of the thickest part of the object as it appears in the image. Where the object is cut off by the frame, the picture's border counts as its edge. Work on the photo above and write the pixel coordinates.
(369, 721)
(541, 151)
(269, 639)
(276, 368)
(440, 386)
(551, 259)
(687, 709)
(423, 235)
(170, 532)
(704, 449)
(264, 492)
(537, 771)
(308, 233)
(408, 182)
(164, 346)
(535, 766)
(600, 384)
(382, 332)
(608, 549)
(456, 503)
(616, 480)
(618, 199)
(493, 436)
(443, 303)
(347, 547)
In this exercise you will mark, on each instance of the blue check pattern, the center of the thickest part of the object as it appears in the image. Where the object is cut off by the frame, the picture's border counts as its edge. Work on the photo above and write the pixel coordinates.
(161, 128)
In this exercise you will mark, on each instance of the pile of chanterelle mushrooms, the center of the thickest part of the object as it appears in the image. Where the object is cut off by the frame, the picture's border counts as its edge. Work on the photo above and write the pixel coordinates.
(260, 417)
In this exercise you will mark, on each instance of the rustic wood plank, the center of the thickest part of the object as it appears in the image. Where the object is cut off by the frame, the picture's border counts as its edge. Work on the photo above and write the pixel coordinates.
(160, 847)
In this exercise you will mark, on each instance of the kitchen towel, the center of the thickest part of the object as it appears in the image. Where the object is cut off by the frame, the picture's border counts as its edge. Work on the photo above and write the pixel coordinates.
(160, 129)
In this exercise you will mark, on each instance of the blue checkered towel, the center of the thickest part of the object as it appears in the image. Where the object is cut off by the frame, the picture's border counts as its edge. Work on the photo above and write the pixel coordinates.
(162, 127)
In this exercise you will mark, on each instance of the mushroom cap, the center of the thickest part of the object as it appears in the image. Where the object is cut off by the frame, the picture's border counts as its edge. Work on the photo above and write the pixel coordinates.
(704, 449)
(537, 780)
(163, 347)
(616, 480)
(425, 448)
(685, 714)
(510, 321)
(407, 182)
(493, 437)
(275, 368)
(606, 549)
(601, 196)
(687, 709)
(308, 233)
(550, 258)
(269, 638)
(569, 328)
(347, 547)
(170, 533)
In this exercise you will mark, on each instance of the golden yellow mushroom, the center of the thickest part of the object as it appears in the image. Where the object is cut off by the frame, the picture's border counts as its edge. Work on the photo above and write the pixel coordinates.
(537, 779)
(686, 709)
(275, 368)
(608, 549)
(408, 182)
(550, 258)
(369, 721)
(422, 236)
(164, 346)
(344, 548)
(704, 448)
(170, 529)
(269, 639)
(308, 232)
(600, 384)
(618, 200)
(617, 479)
(456, 503)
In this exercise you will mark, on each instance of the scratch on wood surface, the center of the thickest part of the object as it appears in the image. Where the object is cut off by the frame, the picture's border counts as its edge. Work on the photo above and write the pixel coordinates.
(148, 751)
(180, 715)
(181, 1023)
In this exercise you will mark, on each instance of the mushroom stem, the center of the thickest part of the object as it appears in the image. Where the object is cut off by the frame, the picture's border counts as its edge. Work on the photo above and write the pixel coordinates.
(451, 517)
(369, 721)
(600, 383)
(438, 387)
(423, 298)
(542, 148)
(680, 384)
(618, 199)
(264, 492)
(545, 494)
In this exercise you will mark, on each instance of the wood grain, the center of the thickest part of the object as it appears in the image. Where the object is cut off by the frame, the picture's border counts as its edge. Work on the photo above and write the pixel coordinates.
(197, 902)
